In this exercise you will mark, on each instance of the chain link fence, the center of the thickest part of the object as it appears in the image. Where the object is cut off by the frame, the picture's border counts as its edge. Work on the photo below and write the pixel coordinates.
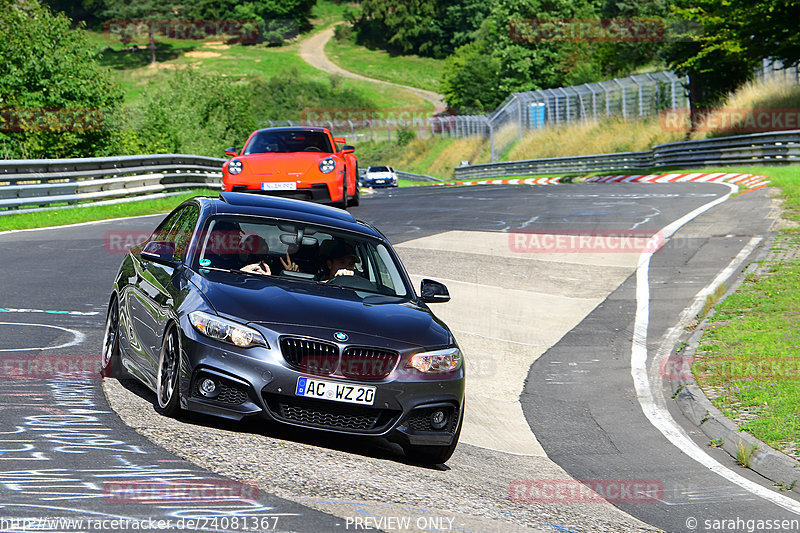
(632, 98)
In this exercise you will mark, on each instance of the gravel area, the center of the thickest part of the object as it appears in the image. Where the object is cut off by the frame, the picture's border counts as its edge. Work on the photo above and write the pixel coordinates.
(344, 475)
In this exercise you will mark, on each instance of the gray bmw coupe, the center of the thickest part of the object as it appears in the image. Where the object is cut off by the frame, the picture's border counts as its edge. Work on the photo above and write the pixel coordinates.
(249, 305)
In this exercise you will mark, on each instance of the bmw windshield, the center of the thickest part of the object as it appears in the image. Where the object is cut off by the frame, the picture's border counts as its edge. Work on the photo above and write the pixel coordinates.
(302, 253)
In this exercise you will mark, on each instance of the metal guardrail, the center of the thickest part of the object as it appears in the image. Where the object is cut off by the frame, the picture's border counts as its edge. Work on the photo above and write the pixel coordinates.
(416, 177)
(34, 184)
(405, 176)
(37, 184)
(775, 148)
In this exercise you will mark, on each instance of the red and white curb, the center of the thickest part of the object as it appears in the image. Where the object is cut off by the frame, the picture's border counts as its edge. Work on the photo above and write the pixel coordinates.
(518, 181)
(749, 181)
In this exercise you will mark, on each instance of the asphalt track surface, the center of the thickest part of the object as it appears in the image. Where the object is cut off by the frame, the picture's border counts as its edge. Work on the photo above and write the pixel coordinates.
(62, 447)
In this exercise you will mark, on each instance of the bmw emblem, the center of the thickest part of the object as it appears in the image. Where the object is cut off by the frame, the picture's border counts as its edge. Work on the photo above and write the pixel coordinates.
(341, 336)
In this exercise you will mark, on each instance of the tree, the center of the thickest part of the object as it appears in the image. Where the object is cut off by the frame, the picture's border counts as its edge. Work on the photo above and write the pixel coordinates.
(55, 99)
(285, 15)
(469, 81)
(528, 58)
(736, 35)
(142, 12)
(425, 27)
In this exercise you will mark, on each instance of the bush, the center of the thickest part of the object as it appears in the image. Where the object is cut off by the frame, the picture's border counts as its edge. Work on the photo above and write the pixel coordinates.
(56, 100)
(342, 32)
(405, 136)
(193, 114)
(203, 114)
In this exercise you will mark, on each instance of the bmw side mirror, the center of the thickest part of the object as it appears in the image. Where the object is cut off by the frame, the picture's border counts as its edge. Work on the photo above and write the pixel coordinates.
(232, 151)
(161, 252)
(434, 292)
(347, 149)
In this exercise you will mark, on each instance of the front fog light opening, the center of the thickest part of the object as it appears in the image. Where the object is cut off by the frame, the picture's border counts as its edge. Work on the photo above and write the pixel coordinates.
(208, 388)
(439, 419)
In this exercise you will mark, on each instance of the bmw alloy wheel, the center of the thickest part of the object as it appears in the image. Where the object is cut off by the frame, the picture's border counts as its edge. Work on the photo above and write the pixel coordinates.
(168, 373)
(110, 356)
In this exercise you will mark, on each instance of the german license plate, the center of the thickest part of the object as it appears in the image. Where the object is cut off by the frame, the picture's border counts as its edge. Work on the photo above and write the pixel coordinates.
(337, 392)
(278, 186)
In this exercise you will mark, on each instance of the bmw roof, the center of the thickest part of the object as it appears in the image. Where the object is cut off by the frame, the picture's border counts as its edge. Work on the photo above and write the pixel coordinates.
(301, 210)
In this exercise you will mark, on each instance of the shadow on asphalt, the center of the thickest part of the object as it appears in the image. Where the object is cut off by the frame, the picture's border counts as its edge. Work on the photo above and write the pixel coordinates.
(376, 448)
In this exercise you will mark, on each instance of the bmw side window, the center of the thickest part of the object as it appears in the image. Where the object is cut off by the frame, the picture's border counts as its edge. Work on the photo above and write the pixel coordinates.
(163, 230)
(181, 232)
(390, 277)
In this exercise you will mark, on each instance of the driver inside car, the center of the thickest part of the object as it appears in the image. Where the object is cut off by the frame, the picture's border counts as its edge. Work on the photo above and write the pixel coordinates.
(340, 260)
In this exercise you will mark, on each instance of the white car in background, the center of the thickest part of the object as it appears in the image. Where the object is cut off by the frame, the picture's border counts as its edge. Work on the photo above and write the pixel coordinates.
(380, 176)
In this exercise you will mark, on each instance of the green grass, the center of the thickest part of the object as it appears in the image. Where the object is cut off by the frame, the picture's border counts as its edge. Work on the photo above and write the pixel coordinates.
(788, 179)
(325, 12)
(411, 70)
(88, 212)
(135, 76)
(748, 355)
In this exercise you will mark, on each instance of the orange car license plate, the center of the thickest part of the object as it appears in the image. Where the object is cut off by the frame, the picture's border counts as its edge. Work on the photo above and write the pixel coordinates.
(278, 186)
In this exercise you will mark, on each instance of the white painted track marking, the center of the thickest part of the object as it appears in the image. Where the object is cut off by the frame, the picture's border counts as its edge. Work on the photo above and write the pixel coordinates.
(77, 337)
(655, 411)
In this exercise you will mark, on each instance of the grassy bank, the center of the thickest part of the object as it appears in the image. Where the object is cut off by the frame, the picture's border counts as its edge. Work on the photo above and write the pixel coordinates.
(747, 360)
(411, 70)
(435, 156)
(136, 77)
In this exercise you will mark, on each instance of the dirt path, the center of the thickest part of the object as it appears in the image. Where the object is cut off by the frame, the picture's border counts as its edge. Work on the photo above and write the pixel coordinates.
(312, 50)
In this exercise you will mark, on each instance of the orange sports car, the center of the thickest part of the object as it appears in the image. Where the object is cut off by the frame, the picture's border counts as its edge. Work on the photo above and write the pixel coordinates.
(295, 162)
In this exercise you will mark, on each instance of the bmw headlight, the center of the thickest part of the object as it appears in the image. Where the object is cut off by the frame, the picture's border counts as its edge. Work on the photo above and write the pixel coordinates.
(438, 361)
(327, 165)
(235, 166)
(218, 328)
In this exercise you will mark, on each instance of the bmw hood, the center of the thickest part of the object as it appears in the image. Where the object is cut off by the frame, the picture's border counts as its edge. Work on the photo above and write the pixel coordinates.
(276, 302)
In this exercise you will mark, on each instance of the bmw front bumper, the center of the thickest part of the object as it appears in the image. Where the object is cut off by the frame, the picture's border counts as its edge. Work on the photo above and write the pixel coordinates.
(259, 381)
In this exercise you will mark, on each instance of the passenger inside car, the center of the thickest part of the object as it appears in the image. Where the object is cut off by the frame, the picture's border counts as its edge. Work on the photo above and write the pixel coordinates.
(254, 254)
